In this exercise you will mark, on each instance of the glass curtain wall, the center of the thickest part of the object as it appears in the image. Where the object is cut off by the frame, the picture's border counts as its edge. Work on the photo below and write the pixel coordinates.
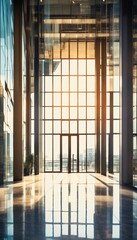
(68, 104)
(68, 87)
(134, 94)
(6, 90)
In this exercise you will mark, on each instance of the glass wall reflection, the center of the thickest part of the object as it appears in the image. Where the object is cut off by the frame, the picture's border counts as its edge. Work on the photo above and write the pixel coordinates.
(76, 207)
(66, 206)
(6, 91)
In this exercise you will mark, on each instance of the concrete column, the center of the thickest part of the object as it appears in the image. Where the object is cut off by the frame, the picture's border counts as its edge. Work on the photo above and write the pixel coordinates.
(36, 94)
(97, 61)
(126, 92)
(18, 152)
(103, 130)
(28, 105)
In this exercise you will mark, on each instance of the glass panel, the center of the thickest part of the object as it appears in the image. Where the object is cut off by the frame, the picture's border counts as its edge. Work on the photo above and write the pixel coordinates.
(48, 112)
(82, 126)
(91, 84)
(82, 99)
(65, 99)
(73, 127)
(91, 143)
(48, 156)
(91, 113)
(57, 126)
(91, 67)
(116, 99)
(73, 84)
(82, 67)
(82, 153)
(65, 112)
(82, 112)
(73, 67)
(108, 112)
(56, 49)
(108, 99)
(65, 127)
(57, 84)
(57, 153)
(65, 84)
(91, 99)
(82, 50)
(73, 49)
(57, 113)
(65, 67)
(116, 153)
(73, 113)
(57, 99)
(116, 86)
(48, 84)
(48, 127)
(116, 126)
(42, 100)
(91, 127)
(32, 126)
(73, 153)
(82, 84)
(73, 99)
(56, 67)
(32, 112)
(65, 154)
(90, 50)
(48, 99)
(65, 49)
(116, 112)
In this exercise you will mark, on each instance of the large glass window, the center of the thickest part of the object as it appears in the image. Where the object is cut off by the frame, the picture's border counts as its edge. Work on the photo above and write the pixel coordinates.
(68, 107)
(6, 91)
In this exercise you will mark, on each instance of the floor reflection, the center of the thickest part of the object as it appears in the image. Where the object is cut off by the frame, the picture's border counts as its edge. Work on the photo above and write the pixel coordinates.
(68, 206)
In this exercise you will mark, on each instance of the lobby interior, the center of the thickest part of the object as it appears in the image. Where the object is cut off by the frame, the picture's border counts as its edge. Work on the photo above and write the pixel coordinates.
(68, 99)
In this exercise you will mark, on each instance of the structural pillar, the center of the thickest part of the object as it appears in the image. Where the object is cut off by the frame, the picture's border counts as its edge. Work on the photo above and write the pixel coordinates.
(18, 152)
(103, 130)
(126, 92)
(28, 105)
(97, 60)
(36, 95)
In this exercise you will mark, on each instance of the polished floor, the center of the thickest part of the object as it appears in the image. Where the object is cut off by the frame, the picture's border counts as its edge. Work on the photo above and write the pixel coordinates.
(67, 206)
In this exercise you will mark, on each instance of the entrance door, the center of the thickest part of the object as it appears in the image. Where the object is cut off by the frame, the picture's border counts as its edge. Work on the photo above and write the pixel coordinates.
(69, 153)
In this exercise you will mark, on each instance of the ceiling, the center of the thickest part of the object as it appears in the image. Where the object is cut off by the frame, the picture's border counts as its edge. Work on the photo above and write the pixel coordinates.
(57, 22)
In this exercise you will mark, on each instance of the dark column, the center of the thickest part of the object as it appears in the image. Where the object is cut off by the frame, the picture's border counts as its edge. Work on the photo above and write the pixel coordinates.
(110, 155)
(97, 60)
(126, 91)
(103, 130)
(36, 94)
(18, 158)
(28, 105)
(2, 157)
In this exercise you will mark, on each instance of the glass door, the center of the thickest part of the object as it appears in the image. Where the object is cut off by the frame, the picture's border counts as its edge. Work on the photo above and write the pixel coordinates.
(69, 153)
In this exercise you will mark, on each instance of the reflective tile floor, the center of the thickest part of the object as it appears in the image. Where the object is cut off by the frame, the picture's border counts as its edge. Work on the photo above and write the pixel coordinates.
(67, 206)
